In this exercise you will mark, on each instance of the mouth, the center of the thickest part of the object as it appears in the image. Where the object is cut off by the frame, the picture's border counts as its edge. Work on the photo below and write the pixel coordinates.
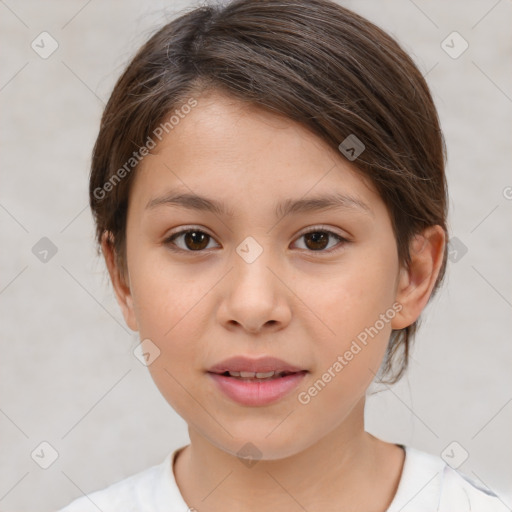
(256, 382)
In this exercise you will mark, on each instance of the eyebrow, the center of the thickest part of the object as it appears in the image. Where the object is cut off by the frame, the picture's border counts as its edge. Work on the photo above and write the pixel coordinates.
(287, 207)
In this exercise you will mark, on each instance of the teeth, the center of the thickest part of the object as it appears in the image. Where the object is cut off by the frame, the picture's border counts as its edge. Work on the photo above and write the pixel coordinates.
(252, 375)
(264, 375)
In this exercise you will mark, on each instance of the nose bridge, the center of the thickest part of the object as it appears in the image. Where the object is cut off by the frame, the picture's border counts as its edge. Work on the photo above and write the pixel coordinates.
(251, 261)
(255, 295)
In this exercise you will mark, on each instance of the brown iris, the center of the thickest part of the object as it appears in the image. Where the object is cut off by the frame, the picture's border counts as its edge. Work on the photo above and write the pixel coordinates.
(319, 240)
(196, 240)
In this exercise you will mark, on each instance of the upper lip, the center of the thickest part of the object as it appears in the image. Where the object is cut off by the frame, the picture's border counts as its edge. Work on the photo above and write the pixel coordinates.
(247, 364)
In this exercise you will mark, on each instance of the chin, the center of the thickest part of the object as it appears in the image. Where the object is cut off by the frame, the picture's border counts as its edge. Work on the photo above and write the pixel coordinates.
(253, 448)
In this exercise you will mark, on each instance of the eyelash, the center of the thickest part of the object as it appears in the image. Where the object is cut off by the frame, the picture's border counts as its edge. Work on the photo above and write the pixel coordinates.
(169, 241)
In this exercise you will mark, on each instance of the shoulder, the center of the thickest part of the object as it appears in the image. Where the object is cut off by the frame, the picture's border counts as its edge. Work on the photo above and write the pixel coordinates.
(428, 483)
(140, 492)
(461, 491)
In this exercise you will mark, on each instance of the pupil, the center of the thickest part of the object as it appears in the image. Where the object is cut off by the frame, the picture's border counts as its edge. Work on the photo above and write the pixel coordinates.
(317, 237)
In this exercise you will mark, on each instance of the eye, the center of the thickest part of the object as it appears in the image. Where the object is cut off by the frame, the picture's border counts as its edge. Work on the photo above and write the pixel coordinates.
(317, 239)
(194, 240)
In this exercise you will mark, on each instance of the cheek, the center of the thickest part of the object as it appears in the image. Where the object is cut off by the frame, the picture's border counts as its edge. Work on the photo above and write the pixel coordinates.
(172, 315)
(163, 294)
(354, 311)
(351, 296)
(171, 303)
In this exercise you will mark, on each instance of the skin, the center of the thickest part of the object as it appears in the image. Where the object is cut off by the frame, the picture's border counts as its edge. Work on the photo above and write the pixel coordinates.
(292, 302)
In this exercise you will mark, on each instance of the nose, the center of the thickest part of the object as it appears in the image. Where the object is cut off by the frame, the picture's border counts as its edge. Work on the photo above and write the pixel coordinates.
(255, 298)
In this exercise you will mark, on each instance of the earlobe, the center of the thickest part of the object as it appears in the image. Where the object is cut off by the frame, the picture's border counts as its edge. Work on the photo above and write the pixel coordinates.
(121, 287)
(416, 282)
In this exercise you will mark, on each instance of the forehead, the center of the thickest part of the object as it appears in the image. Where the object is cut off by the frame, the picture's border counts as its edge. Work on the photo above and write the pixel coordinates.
(241, 154)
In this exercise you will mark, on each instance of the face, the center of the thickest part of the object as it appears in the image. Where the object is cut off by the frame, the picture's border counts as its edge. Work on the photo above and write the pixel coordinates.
(247, 280)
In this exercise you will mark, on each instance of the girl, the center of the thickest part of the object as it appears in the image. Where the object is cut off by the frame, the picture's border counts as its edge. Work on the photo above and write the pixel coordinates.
(269, 194)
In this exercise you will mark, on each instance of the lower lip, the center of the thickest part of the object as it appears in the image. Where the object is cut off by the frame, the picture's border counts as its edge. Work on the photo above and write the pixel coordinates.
(257, 393)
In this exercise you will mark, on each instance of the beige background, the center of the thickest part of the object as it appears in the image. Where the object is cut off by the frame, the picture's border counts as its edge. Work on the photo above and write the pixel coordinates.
(68, 375)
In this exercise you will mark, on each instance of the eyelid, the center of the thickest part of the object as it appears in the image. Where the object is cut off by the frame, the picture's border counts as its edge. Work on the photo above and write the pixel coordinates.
(322, 227)
(185, 228)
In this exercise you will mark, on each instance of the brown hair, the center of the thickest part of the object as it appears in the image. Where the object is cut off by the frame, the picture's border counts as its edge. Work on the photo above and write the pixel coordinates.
(312, 61)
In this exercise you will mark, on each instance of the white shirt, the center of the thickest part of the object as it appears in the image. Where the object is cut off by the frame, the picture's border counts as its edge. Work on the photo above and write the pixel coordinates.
(427, 484)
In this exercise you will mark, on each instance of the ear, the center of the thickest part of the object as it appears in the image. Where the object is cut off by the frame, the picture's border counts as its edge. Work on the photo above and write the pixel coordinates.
(121, 288)
(416, 282)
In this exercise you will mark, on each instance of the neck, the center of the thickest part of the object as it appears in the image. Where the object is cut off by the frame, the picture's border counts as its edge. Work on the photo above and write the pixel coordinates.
(342, 469)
